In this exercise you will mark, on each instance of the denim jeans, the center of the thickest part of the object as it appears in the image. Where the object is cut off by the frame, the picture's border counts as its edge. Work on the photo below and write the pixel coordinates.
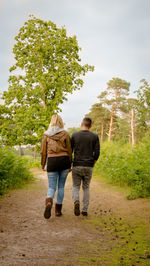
(81, 174)
(57, 180)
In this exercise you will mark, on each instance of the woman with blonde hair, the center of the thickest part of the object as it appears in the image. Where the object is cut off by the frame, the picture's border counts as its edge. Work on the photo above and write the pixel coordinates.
(56, 152)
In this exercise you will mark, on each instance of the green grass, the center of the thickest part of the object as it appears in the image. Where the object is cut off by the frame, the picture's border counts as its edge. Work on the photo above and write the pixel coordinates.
(125, 244)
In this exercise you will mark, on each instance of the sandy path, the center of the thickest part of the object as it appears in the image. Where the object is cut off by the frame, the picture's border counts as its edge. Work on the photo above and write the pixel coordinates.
(26, 238)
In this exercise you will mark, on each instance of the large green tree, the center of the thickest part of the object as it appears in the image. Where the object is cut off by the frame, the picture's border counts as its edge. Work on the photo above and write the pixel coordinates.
(47, 67)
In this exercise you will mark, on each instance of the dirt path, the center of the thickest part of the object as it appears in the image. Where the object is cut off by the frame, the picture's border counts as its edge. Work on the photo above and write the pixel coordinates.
(26, 238)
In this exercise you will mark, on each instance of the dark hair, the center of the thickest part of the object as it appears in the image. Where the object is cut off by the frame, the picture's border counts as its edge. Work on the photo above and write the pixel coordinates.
(87, 122)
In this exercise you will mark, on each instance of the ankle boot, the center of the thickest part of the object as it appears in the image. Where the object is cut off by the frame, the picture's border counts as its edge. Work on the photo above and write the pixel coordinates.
(49, 204)
(77, 208)
(58, 208)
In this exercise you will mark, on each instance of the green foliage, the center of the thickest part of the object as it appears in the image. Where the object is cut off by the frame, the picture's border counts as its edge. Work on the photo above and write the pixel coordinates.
(119, 117)
(13, 171)
(143, 107)
(71, 130)
(124, 165)
(100, 119)
(49, 68)
(113, 98)
(115, 94)
(31, 162)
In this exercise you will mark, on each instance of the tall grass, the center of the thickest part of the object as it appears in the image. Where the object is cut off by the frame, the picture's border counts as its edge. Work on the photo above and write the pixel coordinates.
(14, 171)
(126, 165)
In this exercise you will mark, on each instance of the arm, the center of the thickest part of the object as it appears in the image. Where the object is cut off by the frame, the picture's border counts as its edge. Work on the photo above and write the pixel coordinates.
(72, 146)
(72, 143)
(96, 150)
(68, 142)
(43, 151)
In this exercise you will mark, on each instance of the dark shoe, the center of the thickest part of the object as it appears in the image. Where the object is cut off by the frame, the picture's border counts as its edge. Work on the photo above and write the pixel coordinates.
(58, 208)
(84, 213)
(77, 208)
(49, 204)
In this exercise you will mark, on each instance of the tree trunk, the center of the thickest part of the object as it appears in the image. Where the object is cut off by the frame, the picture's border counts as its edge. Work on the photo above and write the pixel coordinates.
(19, 150)
(132, 128)
(114, 109)
(110, 126)
(102, 132)
(34, 154)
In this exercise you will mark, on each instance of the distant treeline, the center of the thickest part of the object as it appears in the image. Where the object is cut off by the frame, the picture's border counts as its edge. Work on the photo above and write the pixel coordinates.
(117, 116)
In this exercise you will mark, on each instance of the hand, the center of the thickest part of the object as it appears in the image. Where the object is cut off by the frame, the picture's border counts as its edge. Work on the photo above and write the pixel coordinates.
(94, 163)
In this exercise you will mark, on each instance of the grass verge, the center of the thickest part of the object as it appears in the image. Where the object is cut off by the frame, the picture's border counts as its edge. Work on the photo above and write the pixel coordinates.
(124, 243)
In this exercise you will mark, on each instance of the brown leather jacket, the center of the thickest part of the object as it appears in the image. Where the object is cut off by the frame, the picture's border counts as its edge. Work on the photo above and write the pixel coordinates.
(56, 145)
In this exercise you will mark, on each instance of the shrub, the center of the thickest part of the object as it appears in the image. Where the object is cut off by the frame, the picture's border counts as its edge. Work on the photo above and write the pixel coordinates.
(13, 171)
(31, 162)
(126, 165)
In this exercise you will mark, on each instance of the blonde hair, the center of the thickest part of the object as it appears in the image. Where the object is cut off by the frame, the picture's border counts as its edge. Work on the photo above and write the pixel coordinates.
(56, 120)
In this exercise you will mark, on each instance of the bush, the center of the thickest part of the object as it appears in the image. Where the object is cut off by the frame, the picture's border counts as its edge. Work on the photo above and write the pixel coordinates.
(13, 171)
(126, 165)
(31, 162)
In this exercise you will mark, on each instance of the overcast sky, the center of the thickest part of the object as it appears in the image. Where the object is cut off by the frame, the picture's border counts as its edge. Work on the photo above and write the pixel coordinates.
(114, 36)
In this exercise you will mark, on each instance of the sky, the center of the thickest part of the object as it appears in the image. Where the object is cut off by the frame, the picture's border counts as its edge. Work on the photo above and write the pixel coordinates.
(114, 36)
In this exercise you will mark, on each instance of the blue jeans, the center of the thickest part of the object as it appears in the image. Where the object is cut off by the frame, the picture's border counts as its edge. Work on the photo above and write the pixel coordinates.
(57, 180)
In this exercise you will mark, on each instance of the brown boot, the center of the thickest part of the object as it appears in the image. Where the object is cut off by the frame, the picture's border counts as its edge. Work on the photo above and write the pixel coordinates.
(77, 208)
(58, 208)
(49, 204)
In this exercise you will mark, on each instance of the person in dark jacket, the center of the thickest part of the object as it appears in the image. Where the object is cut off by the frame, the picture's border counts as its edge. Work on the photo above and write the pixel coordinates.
(86, 147)
(56, 152)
